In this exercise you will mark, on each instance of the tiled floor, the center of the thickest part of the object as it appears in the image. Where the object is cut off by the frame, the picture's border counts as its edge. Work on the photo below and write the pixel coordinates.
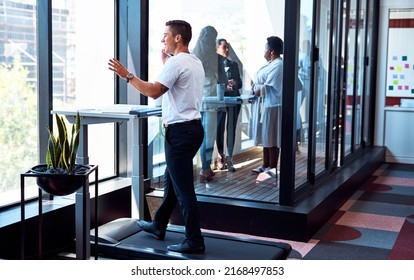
(376, 223)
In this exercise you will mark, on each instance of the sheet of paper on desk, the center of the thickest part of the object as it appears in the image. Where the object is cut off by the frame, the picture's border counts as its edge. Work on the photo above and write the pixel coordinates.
(122, 108)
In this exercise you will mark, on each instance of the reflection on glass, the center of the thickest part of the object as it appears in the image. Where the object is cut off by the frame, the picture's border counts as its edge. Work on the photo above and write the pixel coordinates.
(205, 50)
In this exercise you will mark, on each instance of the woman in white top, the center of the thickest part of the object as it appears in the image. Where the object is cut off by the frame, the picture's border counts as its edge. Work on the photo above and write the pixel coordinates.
(266, 109)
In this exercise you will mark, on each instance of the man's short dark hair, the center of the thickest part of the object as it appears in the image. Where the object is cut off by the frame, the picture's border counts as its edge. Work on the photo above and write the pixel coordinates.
(181, 27)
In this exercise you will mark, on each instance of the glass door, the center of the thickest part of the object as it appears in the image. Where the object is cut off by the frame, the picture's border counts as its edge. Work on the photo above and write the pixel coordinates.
(323, 47)
(354, 59)
(315, 102)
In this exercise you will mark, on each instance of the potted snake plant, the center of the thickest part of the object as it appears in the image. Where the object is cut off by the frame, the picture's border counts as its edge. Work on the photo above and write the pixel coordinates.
(60, 175)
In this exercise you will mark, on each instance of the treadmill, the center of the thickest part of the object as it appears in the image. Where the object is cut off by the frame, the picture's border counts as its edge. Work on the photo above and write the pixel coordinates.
(123, 239)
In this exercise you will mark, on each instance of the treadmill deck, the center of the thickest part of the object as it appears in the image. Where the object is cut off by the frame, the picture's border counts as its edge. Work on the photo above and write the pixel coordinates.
(123, 239)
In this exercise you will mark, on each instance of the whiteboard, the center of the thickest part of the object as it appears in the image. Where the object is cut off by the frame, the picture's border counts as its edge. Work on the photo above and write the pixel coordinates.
(400, 65)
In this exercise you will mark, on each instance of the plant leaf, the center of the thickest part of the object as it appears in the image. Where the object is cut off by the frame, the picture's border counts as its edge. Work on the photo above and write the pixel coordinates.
(62, 133)
(66, 155)
(62, 150)
(51, 156)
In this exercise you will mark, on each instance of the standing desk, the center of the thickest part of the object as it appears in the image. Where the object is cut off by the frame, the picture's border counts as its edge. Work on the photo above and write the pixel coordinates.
(117, 113)
(115, 239)
(212, 102)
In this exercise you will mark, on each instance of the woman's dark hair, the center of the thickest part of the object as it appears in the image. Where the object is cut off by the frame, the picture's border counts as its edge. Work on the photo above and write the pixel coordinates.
(276, 44)
(181, 27)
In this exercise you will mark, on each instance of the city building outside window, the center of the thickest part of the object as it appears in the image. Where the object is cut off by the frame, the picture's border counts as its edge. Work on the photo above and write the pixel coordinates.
(80, 51)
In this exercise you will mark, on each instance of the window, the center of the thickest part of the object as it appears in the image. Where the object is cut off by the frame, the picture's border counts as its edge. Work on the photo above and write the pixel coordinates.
(18, 99)
(83, 41)
(81, 79)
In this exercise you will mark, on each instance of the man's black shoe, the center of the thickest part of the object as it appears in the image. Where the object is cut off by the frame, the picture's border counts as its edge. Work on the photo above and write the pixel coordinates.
(185, 247)
(152, 229)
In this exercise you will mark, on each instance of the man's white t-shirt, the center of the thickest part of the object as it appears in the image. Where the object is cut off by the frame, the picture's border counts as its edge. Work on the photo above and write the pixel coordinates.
(183, 74)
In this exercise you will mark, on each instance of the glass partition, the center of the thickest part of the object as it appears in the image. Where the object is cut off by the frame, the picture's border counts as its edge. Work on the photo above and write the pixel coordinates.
(321, 73)
(369, 74)
(304, 97)
(351, 30)
(312, 100)
(360, 68)
(332, 117)
(232, 151)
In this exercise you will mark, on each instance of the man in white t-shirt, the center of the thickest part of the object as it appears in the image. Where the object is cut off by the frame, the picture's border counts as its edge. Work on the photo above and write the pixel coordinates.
(181, 85)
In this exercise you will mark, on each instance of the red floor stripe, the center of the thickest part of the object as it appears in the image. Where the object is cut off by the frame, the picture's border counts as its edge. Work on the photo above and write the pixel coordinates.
(404, 245)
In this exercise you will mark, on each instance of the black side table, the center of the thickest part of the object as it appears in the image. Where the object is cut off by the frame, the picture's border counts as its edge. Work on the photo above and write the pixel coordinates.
(82, 214)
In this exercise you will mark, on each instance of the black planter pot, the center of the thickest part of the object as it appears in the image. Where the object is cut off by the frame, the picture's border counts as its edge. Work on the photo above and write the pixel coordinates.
(58, 183)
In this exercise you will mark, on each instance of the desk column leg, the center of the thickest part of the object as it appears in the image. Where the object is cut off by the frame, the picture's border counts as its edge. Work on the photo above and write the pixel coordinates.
(82, 205)
(96, 212)
(83, 157)
(137, 195)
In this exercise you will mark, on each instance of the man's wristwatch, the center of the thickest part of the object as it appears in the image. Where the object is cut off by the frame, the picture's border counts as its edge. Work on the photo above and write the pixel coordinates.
(129, 76)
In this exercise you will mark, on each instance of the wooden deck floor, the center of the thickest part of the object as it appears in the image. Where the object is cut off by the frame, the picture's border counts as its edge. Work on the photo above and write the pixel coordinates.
(244, 184)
